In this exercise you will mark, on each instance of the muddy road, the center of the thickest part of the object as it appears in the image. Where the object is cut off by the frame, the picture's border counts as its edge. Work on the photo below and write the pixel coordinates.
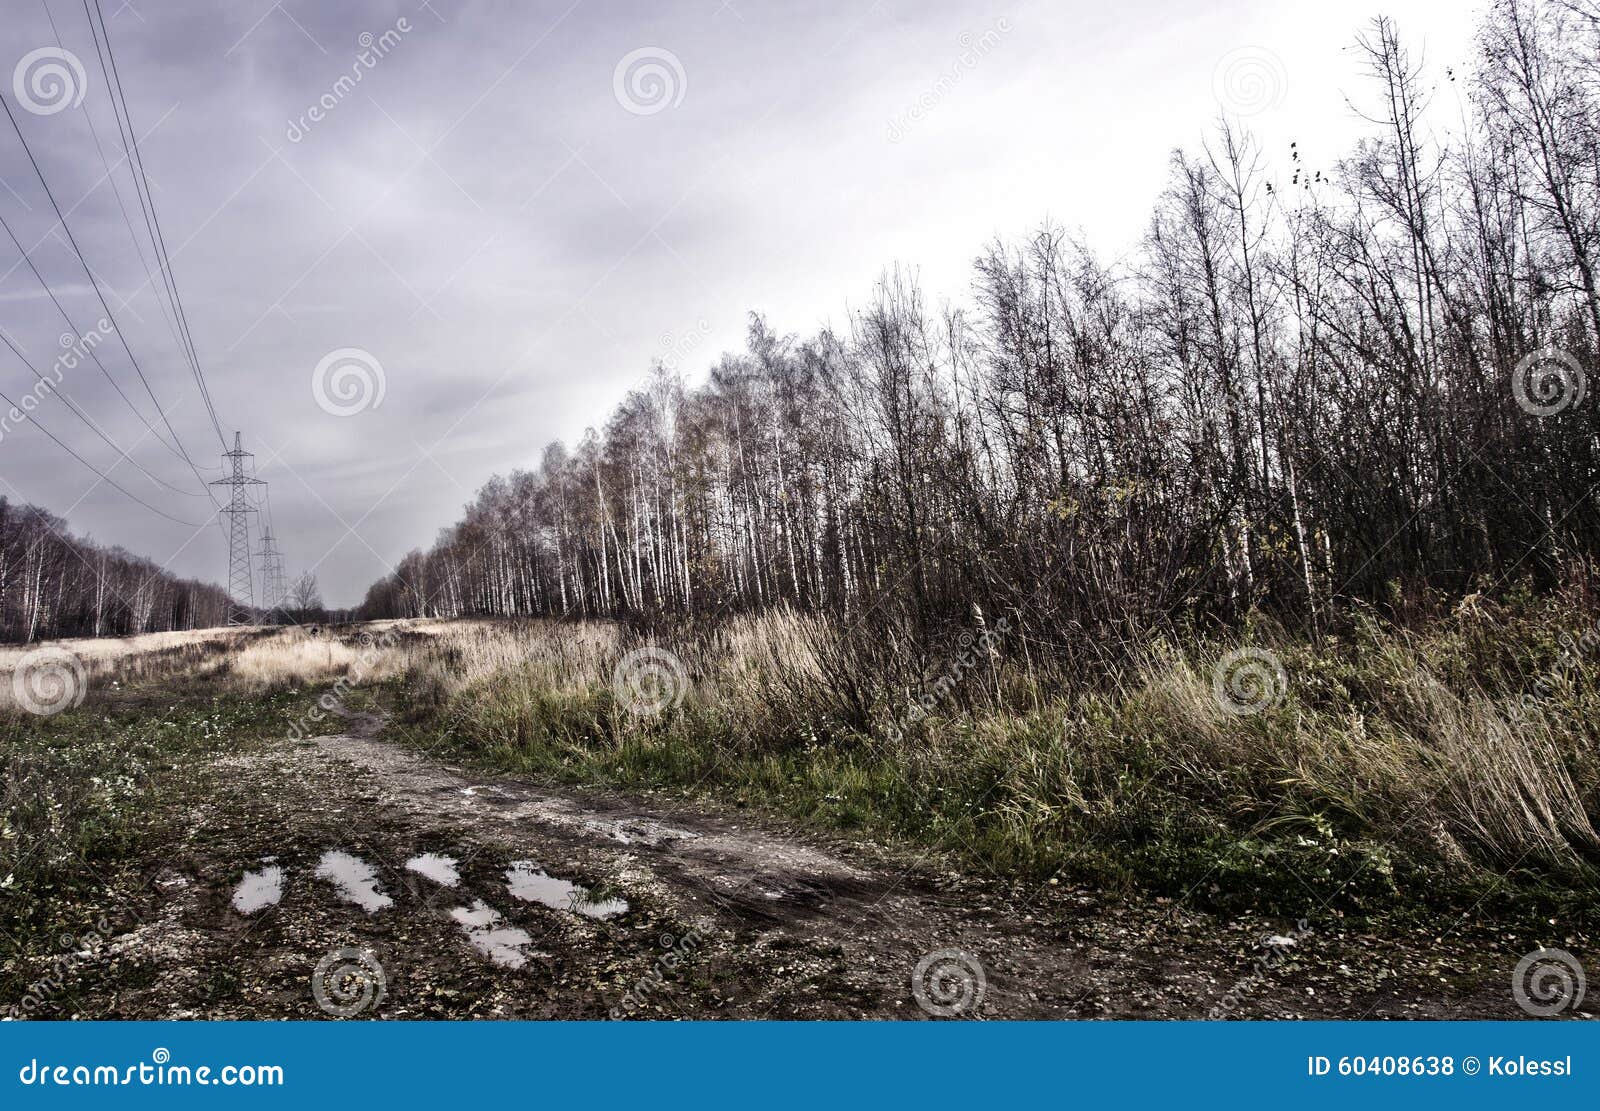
(352, 876)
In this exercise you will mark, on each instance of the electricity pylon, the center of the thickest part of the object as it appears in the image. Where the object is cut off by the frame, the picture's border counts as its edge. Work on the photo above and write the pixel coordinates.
(273, 587)
(241, 590)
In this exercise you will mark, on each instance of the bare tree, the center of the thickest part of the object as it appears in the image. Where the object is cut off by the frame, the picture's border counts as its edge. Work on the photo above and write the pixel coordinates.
(1296, 393)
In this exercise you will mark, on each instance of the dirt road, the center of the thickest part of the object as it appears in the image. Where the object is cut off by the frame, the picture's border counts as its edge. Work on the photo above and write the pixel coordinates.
(349, 875)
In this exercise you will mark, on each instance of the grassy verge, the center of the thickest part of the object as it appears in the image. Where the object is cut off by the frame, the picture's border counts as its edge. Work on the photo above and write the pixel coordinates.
(93, 795)
(1383, 769)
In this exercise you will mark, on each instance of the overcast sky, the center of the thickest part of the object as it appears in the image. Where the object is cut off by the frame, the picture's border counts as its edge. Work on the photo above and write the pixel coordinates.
(512, 223)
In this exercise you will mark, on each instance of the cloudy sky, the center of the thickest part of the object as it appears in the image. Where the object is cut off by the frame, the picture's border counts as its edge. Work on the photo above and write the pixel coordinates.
(520, 204)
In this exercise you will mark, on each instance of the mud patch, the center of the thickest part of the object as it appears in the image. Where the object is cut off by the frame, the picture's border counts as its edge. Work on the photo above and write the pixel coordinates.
(643, 831)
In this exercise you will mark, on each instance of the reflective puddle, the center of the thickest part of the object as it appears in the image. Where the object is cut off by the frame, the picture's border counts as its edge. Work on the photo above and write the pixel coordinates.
(356, 880)
(486, 930)
(258, 890)
(436, 867)
(526, 881)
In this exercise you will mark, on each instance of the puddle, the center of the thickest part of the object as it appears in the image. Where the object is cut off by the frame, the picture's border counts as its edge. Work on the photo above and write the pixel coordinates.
(525, 881)
(356, 880)
(439, 869)
(258, 890)
(486, 930)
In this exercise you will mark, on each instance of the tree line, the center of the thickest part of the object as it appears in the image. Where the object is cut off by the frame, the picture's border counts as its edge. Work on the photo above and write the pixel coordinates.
(1364, 381)
(53, 584)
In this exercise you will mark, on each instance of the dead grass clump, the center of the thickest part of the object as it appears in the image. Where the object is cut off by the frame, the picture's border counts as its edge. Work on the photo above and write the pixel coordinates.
(1428, 760)
(292, 657)
(122, 662)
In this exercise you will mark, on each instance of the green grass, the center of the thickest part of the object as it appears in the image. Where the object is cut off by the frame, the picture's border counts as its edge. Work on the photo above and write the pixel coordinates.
(93, 794)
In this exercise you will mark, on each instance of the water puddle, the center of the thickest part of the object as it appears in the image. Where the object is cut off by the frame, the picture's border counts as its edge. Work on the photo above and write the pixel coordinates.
(486, 930)
(258, 890)
(439, 869)
(525, 881)
(356, 880)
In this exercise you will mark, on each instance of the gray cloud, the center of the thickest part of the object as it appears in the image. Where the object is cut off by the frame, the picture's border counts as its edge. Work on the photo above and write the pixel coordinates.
(481, 214)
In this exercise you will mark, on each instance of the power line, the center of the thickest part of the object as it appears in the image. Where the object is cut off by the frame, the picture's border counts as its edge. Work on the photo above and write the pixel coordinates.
(141, 190)
(103, 476)
(237, 512)
(158, 239)
(127, 221)
(77, 411)
(78, 332)
(95, 282)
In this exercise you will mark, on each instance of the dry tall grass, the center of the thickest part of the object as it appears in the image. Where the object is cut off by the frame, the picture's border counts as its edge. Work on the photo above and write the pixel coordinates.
(126, 660)
(1379, 744)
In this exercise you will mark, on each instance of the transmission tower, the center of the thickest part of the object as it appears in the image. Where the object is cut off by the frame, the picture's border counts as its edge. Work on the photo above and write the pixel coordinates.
(273, 588)
(241, 590)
